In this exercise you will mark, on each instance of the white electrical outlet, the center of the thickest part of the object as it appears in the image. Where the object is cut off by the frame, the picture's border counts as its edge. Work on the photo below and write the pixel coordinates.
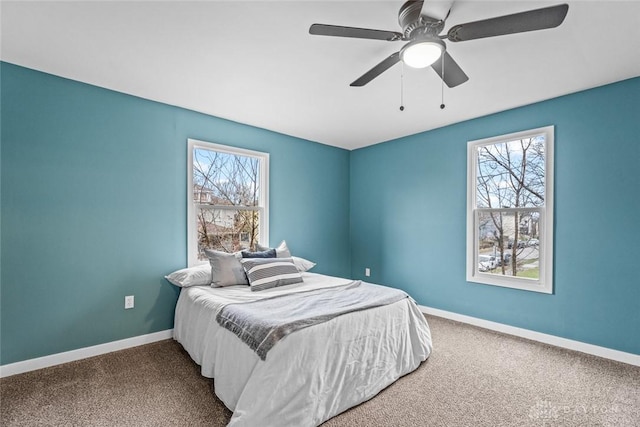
(128, 301)
(367, 272)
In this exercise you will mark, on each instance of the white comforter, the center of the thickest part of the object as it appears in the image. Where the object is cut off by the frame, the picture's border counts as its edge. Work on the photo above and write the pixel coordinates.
(312, 374)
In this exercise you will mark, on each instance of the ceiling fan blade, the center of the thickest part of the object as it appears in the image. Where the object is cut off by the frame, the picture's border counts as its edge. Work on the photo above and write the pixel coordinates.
(453, 74)
(436, 9)
(383, 66)
(360, 33)
(532, 20)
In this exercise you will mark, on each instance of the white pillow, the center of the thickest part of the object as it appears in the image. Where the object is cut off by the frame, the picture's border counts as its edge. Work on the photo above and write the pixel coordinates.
(282, 251)
(303, 264)
(226, 269)
(192, 276)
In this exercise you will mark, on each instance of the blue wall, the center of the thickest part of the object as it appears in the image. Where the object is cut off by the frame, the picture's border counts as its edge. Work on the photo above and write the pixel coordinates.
(408, 218)
(94, 203)
(94, 208)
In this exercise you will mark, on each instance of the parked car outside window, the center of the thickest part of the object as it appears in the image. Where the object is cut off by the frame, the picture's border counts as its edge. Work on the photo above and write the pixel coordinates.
(486, 262)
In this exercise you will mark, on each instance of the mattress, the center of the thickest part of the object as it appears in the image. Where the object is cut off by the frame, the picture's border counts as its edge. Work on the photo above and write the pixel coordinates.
(310, 375)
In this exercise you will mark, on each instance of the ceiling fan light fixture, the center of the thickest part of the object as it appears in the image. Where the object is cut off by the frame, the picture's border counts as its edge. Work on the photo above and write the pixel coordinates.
(422, 53)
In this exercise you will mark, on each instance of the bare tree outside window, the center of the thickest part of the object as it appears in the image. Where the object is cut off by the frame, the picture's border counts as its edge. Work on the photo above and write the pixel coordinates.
(225, 190)
(228, 212)
(510, 175)
(509, 196)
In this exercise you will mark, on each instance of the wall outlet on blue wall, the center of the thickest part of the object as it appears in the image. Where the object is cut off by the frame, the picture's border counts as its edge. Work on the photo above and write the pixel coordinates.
(128, 302)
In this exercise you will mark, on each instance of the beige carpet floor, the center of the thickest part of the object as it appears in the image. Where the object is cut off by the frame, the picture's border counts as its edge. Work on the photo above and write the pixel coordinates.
(474, 377)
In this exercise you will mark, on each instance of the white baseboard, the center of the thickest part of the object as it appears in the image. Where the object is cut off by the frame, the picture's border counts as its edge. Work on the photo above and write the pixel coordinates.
(607, 353)
(81, 353)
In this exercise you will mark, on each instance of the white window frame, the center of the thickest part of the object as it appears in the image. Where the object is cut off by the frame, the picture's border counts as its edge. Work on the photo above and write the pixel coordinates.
(544, 283)
(192, 228)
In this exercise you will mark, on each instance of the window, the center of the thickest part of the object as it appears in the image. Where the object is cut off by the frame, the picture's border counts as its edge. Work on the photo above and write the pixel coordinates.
(227, 191)
(510, 210)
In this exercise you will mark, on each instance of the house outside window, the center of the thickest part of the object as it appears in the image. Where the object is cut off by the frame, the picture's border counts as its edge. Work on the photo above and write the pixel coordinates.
(510, 210)
(227, 208)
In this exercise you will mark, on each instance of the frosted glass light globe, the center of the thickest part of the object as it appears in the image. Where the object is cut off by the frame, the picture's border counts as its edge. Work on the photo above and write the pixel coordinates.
(421, 53)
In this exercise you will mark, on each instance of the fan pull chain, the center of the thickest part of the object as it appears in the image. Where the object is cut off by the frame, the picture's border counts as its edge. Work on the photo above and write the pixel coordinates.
(401, 86)
(442, 84)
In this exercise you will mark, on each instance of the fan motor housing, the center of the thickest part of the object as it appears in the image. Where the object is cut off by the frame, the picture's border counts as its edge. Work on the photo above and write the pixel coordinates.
(414, 24)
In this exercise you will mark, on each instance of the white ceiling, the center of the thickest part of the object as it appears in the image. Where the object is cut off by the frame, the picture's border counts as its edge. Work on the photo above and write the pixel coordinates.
(255, 62)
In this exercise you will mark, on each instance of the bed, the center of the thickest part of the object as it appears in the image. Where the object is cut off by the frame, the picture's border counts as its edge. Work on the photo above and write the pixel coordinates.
(311, 374)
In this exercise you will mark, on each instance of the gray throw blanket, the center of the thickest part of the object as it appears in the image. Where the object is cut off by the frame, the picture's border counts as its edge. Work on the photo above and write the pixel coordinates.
(261, 324)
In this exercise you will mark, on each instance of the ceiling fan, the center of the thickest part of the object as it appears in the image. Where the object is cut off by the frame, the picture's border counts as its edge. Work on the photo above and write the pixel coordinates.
(422, 23)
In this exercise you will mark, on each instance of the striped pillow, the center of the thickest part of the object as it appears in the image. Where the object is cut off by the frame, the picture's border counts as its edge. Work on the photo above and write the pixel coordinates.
(265, 273)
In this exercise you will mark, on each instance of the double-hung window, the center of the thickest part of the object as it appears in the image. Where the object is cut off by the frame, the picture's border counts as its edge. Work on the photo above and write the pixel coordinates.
(227, 191)
(510, 210)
